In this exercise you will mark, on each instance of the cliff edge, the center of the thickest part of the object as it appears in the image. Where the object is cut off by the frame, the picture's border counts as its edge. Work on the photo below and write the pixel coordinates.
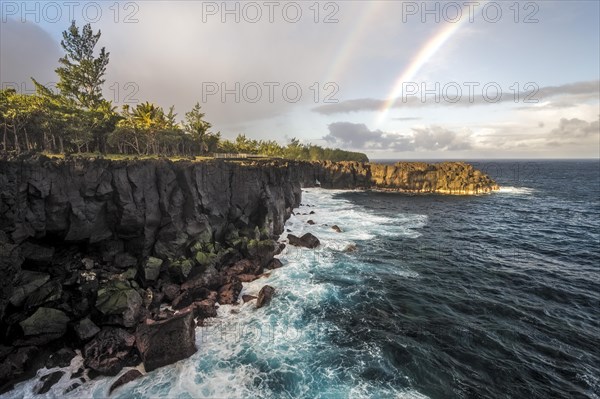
(91, 249)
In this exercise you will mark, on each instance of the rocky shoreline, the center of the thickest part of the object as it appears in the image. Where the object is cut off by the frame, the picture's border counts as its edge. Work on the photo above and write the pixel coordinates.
(121, 260)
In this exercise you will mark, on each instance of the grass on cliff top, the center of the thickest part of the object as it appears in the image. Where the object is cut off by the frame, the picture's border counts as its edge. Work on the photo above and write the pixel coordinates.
(123, 157)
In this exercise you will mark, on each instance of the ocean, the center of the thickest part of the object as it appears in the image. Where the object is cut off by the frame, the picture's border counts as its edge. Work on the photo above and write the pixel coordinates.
(419, 296)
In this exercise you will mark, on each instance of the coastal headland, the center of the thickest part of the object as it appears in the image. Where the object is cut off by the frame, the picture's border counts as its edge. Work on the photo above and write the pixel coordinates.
(117, 259)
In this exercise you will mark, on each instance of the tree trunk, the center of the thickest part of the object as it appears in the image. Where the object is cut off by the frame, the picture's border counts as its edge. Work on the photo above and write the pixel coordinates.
(17, 146)
(61, 144)
(27, 143)
(4, 139)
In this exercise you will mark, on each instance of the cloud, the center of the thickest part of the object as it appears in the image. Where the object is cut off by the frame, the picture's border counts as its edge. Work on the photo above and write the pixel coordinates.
(432, 138)
(576, 128)
(591, 87)
(354, 135)
(438, 138)
(25, 46)
(508, 136)
(357, 105)
(408, 118)
(563, 96)
(563, 135)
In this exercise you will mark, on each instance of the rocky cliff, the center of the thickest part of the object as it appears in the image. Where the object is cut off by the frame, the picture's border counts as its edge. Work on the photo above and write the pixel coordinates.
(92, 243)
(90, 248)
(411, 177)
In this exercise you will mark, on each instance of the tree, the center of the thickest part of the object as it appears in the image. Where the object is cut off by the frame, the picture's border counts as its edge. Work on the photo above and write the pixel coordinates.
(128, 135)
(228, 146)
(197, 127)
(4, 116)
(150, 119)
(295, 150)
(270, 148)
(212, 142)
(81, 75)
(18, 113)
(102, 120)
(147, 129)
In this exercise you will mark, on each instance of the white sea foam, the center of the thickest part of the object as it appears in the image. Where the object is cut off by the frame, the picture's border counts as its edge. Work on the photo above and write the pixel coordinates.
(27, 388)
(517, 190)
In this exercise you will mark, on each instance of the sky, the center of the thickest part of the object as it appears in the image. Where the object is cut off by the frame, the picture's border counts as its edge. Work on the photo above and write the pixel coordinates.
(392, 79)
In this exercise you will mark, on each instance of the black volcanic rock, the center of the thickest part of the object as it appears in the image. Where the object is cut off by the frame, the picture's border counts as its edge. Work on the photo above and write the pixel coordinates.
(164, 342)
(26, 283)
(11, 287)
(155, 207)
(275, 264)
(49, 292)
(307, 240)
(171, 291)
(48, 381)
(205, 308)
(125, 261)
(151, 268)
(16, 365)
(120, 303)
(86, 329)
(38, 254)
(264, 296)
(109, 351)
(60, 358)
(187, 297)
(45, 321)
(128, 376)
(229, 293)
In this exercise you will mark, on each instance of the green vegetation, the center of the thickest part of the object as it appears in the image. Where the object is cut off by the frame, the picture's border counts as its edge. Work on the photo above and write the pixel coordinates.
(294, 150)
(77, 119)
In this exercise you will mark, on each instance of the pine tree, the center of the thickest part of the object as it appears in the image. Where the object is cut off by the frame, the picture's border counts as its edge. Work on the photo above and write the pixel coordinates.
(197, 127)
(82, 74)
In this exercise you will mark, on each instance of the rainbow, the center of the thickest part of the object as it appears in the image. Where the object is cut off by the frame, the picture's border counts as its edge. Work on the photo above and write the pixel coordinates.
(431, 47)
(369, 12)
